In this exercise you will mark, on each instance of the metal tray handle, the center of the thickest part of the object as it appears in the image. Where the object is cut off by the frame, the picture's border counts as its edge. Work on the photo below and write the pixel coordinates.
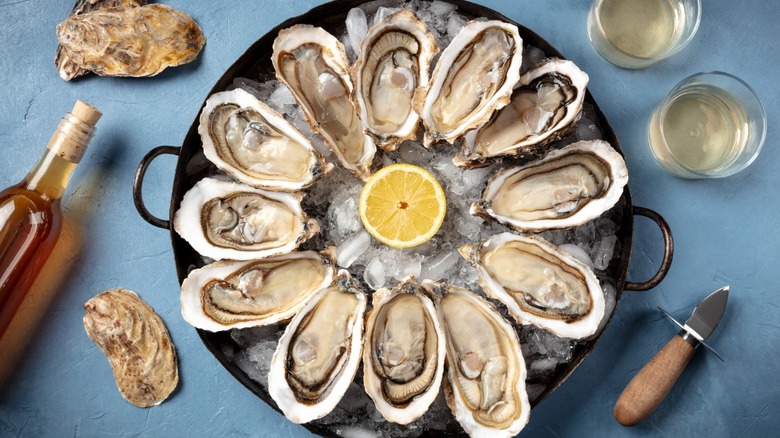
(138, 183)
(666, 262)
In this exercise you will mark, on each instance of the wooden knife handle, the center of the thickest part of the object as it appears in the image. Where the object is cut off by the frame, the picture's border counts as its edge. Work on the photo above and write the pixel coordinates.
(651, 384)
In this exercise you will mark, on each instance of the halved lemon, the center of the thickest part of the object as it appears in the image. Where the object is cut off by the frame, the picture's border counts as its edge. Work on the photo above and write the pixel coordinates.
(402, 205)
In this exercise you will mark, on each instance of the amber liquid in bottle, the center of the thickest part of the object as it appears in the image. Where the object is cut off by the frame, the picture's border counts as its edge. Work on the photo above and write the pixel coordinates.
(31, 213)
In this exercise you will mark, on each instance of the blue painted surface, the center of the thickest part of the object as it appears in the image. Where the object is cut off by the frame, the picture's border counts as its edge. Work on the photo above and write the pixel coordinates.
(725, 232)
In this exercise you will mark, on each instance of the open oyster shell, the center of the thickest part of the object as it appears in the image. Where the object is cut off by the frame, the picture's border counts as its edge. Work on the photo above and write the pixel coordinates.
(485, 367)
(394, 61)
(319, 352)
(238, 294)
(136, 343)
(256, 145)
(568, 187)
(312, 64)
(227, 220)
(544, 107)
(473, 77)
(403, 352)
(539, 283)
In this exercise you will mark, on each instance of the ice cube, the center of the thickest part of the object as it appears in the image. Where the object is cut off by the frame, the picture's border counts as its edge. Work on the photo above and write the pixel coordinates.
(603, 251)
(375, 274)
(455, 24)
(281, 97)
(357, 27)
(352, 249)
(578, 253)
(383, 13)
(440, 265)
(531, 56)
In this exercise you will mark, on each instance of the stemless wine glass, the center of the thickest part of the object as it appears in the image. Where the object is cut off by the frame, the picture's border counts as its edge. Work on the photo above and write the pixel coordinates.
(638, 33)
(711, 125)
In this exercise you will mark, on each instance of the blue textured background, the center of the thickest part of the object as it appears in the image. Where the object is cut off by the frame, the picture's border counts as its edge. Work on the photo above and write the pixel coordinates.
(725, 232)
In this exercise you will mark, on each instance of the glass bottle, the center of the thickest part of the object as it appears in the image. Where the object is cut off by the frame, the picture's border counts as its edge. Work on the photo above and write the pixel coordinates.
(31, 212)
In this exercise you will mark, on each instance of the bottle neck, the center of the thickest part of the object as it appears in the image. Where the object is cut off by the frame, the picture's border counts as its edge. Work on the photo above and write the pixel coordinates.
(51, 175)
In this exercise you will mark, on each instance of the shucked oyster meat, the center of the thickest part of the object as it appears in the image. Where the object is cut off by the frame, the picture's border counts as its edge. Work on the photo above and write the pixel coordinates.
(136, 343)
(539, 283)
(569, 187)
(237, 294)
(227, 220)
(319, 353)
(255, 144)
(313, 65)
(486, 370)
(403, 353)
(394, 61)
(544, 107)
(130, 41)
(68, 68)
(473, 77)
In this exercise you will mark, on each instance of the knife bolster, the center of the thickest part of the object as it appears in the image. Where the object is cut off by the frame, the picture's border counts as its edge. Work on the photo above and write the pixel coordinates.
(689, 338)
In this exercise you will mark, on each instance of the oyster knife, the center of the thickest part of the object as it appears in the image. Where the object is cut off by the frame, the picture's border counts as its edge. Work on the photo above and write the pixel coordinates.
(652, 383)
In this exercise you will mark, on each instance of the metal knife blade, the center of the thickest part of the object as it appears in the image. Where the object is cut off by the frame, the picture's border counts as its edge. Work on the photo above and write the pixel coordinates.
(707, 314)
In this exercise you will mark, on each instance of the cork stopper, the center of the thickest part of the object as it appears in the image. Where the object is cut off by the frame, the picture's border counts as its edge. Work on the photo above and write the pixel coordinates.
(86, 113)
(75, 131)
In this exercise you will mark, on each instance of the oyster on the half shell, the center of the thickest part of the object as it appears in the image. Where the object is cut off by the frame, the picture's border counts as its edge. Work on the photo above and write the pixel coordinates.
(255, 144)
(486, 369)
(319, 353)
(473, 77)
(568, 187)
(544, 107)
(539, 283)
(394, 61)
(237, 294)
(227, 220)
(403, 352)
(312, 64)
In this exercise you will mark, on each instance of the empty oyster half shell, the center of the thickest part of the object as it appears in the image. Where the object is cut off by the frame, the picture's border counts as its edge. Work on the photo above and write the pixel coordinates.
(256, 145)
(227, 220)
(394, 61)
(319, 353)
(238, 294)
(312, 64)
(473, 77)
(539, 283)
(485, 367)
(403, 352)
(136, 343)
(544, 107)
(568, 187)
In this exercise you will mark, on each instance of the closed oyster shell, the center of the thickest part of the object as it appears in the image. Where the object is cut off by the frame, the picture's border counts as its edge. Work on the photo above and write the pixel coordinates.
(256, 145)
(319, 353)
(135, 41)
(539, 283)
(394, 62)
(68, 68)
(136, 343)
(485, 366)
(403, 352)
(473, 77)
(312, 64)
(227, 220)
